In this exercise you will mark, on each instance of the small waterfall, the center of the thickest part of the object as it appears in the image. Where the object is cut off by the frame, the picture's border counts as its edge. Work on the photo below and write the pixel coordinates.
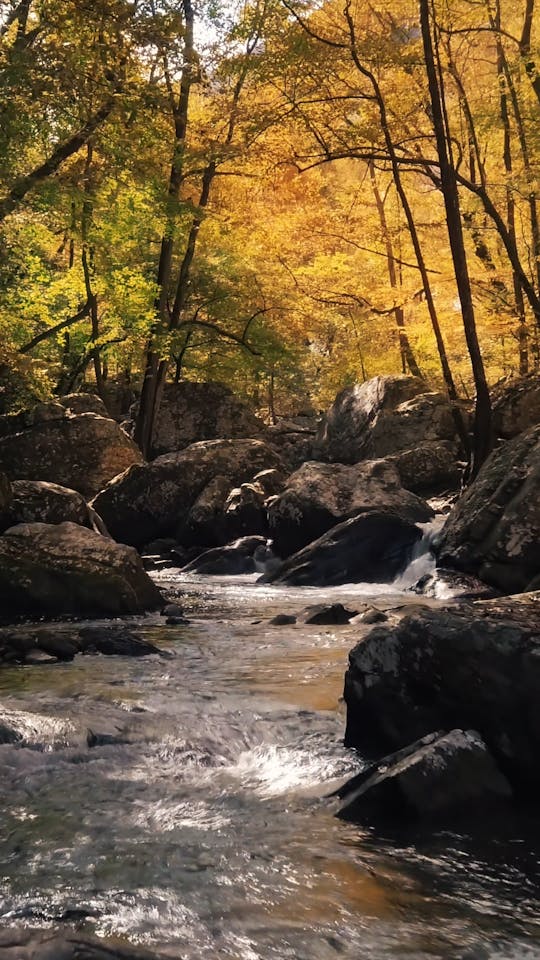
(422, 562)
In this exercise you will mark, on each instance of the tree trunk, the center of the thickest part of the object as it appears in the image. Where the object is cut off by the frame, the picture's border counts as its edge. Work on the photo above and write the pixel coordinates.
(408, 359)
(482, 437)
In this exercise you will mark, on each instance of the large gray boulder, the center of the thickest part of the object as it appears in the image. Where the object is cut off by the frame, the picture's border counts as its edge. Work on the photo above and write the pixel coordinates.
(82, 452)
(191, 412)
(36, 501)
(178, 493)
(320, 495)
(430, 467)
(494, 529)
(440, 777)
(84, 403)
(62, 569)
(516, 406)
(370, 548)
(381, 417)
(473, 665)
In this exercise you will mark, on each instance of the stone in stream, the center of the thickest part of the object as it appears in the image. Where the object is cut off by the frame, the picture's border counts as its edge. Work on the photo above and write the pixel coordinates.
(231, 560)
(493, 532)
(327, 614)
(281, 620)
(472, 666)
(440, 777)
(159, 499)
(21, 944)
(116, 641)
(52, 570)
(371, 548)
(320, 495)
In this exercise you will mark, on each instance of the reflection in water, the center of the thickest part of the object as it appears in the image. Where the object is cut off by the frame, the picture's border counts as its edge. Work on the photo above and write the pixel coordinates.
(198, 820)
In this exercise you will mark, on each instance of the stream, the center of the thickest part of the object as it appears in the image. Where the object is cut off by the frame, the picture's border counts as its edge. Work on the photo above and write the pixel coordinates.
(198, 821)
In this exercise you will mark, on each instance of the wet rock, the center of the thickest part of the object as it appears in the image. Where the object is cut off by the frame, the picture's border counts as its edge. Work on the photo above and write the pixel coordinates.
(177, 621)
(234, 559)
(8, 734)
(61, 647)
(156, 499)
(172, 610)
(440, 777)
(191, 412)
(381, 417)
(116, 642)
(516, 406)
(371, 548)
(320, 495)
(330, 614)
(471, 666)
(60, 569)
(443, 584)
(282, 620)
(80, 452)
(372, 615)
(38, 658)
(20, 944)
(493, 532)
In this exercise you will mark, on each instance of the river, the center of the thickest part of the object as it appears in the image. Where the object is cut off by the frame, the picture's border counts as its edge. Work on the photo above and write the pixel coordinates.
(200, 825)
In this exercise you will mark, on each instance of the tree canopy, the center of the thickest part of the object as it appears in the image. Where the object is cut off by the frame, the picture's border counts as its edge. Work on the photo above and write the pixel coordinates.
(268, 194)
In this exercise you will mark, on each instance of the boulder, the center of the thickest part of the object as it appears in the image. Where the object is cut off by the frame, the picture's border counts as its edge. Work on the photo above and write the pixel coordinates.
(190, 412)
(473, 665)
(493, 531)
(231, 560)
(429, 468)
(82, 452)
(320, 495)
(516, 406)
(20, 944)
(440, 777)
(370, 548)
(329, 614)
(294, 439)
(244, 511)
(84, 403)
(61, 569)
(36, 501)
(155, 499)
(381, 417)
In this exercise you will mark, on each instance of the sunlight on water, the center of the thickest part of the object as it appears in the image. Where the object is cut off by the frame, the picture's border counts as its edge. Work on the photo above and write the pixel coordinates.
(270, 771)
(165, 816)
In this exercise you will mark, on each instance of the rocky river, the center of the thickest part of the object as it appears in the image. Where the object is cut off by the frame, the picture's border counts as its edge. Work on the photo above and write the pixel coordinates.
(181, 803)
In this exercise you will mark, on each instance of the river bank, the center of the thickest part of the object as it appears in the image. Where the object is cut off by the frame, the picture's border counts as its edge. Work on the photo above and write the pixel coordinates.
(197, 823)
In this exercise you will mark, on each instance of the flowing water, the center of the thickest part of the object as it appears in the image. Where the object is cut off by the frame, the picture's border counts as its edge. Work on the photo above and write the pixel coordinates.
(201, 825)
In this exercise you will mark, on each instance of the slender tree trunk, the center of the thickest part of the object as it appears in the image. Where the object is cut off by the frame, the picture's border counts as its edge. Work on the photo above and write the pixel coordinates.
(408, 359)
(482, 439)
(87, 260)
(146, 413)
